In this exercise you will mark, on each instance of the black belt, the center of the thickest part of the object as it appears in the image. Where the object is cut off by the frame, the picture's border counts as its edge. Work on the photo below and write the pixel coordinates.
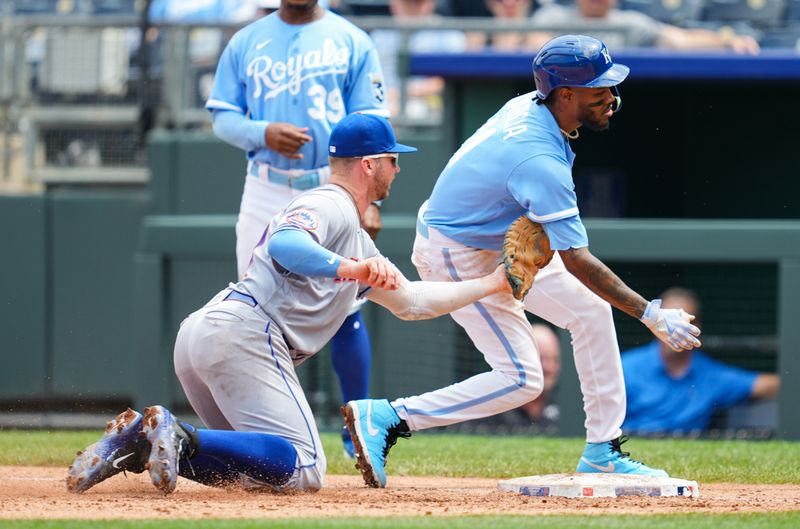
(235, 295)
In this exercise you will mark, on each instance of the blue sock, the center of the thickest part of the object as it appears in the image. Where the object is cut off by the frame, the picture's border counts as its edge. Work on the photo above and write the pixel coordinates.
(352, 356)
(207, 470)
(224, 454)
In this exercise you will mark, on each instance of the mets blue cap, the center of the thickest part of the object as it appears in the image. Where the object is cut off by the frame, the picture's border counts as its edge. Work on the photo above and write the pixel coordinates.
(364, 135)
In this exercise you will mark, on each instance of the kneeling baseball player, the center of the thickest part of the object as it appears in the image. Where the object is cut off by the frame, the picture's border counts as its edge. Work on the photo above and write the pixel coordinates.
(235, 357)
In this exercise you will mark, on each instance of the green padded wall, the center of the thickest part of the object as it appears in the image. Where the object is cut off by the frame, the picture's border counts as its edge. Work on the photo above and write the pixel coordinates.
(91, 254)
(23, 308)
(194, 172)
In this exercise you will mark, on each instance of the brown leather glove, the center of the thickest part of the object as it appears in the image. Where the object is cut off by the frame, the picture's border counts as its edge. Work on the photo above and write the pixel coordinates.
(526, 249)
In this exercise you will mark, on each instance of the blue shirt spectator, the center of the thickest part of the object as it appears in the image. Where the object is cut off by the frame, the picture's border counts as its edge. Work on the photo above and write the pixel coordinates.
(680, 391)
(659, 401)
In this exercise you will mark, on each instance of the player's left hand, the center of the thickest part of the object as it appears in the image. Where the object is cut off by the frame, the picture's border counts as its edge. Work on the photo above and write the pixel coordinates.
(497, 281)
(372, 221)
(671, 326)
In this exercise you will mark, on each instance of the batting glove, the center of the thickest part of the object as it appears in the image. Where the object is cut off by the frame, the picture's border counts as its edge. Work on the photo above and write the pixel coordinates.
(671, 326)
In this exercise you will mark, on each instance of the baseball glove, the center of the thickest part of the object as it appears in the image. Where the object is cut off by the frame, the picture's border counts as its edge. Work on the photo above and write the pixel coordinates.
(526, 249)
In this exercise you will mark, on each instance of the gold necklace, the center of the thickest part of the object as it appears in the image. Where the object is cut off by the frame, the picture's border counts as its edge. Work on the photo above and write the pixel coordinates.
(570, 135)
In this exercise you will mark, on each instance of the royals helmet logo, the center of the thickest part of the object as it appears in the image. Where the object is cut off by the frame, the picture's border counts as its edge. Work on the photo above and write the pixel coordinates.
(302, 218)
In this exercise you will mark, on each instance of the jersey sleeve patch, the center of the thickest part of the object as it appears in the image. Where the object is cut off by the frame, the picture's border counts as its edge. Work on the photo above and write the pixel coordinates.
(302, 218)
(376, 78)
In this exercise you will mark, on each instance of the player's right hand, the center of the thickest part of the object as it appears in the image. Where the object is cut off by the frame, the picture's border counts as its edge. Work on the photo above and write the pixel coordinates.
(671, 326)
(376, 272)
(286, 139)
(382, 273)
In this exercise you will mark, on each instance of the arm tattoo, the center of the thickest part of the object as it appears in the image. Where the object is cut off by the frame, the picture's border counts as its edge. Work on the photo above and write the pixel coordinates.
(602, 281)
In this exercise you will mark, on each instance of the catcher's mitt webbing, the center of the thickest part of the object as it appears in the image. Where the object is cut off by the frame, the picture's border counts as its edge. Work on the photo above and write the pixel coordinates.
(526, 249)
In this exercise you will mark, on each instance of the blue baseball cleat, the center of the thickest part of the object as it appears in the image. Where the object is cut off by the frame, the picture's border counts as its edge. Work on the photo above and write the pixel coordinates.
(170, 443)
(347, 442)
(121, 448)
(374, 427)
(609, 458)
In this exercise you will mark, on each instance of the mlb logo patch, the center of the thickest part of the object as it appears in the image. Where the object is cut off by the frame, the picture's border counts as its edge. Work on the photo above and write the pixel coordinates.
(686, 491)
(377, 86)
(302, 218)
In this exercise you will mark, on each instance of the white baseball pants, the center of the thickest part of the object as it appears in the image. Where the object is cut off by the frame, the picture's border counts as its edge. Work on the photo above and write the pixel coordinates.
(499, 329)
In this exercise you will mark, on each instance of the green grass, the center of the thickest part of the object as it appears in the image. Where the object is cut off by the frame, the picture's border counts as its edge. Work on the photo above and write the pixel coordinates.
(427, 454)
(677, 521)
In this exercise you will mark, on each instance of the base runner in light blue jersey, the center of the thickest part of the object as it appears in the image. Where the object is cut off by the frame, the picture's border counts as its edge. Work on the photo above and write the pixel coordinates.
(236, 356)
(282, 83)
(520, 162)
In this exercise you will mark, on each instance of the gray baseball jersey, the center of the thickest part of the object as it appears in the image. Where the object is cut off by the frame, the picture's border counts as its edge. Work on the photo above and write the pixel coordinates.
(309, 310)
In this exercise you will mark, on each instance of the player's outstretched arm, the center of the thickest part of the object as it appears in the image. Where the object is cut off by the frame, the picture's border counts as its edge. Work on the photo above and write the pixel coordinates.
(672, 326)
(422, 300)
(297, 251)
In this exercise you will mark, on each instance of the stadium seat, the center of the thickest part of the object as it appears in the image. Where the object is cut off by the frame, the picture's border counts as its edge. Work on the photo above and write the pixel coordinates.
(114, 7)
(676, 12)
(366, 7)
(759, 13)
(469, 8)
(786, 38)
(35, 7)
(793, 11)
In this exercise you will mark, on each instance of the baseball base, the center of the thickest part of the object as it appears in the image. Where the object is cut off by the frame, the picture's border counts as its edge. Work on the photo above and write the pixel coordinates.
(578, 485)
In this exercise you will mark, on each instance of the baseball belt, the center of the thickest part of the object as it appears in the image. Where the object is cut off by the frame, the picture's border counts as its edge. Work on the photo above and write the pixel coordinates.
(299, 179)
(235, 295)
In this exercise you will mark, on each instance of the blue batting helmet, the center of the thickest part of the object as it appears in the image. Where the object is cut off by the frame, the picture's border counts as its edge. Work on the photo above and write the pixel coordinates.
(575, 60)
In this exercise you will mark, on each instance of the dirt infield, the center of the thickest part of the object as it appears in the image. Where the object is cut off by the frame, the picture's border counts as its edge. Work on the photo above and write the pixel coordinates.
(39, 492)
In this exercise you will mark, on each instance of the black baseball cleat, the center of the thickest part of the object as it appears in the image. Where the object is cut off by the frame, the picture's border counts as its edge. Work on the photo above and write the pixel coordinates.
(171, 443)
(122, 448)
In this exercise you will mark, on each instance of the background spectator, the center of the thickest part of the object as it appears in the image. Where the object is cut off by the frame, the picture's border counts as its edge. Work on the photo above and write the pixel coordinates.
(680, 391)
(424, 94)
(510, 40)
(642, 30)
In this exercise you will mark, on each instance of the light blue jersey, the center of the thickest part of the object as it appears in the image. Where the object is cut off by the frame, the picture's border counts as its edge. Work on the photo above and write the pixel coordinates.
(309, 75)
(517, 162)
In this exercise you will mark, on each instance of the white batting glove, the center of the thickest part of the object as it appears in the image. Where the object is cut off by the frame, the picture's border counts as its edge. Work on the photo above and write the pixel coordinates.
(671, 326)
